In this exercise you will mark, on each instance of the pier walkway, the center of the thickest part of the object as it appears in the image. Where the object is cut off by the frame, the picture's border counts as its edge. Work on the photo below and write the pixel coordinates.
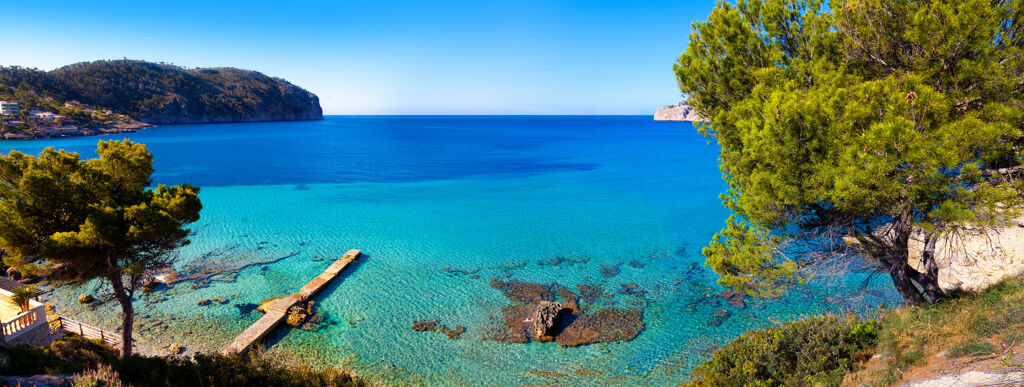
(277, 310)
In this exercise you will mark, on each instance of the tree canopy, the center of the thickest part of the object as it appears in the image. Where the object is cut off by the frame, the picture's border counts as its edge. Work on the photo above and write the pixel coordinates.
(846, 130)
(79, 220)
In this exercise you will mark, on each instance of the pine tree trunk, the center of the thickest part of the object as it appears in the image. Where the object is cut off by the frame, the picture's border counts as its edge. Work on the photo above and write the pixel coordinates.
(929, 276)
(128, 321)
(899, 269)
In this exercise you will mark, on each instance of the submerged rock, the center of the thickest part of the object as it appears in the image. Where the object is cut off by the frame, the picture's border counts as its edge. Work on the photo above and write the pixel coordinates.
(737, 303)
(424, 325)
(523, 291)
(453, 334)
(632, 289)
(433, 325)
(534, 315)
(592, 292)
(609, 271)
(609, 324)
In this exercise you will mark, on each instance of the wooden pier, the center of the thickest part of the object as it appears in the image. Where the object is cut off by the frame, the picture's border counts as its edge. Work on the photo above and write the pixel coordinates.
(277, 310)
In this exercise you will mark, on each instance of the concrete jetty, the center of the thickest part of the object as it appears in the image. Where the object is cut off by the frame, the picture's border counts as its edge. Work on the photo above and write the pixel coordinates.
(277, 310)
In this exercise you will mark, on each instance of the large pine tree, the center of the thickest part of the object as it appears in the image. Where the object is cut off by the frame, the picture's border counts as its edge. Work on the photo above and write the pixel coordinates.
(79, 220)
(850, 129)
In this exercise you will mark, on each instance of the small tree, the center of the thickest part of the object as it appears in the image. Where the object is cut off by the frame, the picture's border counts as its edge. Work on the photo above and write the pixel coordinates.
(851, 130)
(93, 219)
(22, 296)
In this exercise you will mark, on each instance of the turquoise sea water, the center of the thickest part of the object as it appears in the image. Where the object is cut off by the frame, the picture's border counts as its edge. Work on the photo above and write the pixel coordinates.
(439, 206)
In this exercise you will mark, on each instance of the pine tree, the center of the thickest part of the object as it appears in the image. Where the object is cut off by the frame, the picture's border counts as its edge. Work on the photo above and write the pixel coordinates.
(847, 130)
(79, 220)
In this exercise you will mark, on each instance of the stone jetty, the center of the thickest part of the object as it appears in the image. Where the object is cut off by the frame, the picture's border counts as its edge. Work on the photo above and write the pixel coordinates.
(277, 310)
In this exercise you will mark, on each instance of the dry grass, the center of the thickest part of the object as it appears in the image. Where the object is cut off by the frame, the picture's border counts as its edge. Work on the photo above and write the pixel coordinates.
(961, 334)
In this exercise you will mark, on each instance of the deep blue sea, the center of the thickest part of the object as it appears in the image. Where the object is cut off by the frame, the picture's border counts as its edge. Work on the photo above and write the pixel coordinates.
(440, 205)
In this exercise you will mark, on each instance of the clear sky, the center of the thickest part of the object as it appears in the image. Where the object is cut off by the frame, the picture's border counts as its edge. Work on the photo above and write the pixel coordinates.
(388, 57)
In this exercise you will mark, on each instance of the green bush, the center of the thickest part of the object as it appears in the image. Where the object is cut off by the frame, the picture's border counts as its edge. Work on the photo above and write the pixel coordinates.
(96, 362)
(70, 354)
(253, 369)
(971, 348)
(814, 351)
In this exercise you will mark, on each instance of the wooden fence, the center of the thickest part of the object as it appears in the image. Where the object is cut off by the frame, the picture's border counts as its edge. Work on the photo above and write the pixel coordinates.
(85, 330)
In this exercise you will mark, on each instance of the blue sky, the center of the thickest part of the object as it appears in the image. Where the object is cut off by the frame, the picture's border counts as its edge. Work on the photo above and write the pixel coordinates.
(389, 57)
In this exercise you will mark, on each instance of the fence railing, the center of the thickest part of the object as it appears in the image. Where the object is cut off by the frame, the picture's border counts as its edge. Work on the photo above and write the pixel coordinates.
(21, 323)
(85, 330)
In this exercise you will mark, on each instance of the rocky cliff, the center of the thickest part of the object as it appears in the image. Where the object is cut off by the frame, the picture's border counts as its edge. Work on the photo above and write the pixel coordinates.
(975, 260)
(677, 112)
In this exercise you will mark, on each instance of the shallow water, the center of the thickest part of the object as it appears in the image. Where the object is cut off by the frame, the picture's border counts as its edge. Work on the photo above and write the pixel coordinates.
(439, 206)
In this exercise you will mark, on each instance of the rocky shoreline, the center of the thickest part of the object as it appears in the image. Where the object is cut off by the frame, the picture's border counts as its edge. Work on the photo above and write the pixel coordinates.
(76, 131)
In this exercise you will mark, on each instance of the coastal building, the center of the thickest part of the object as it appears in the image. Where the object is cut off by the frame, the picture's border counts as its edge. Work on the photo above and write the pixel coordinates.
(20, 325)
(9, 108)
(46, 116)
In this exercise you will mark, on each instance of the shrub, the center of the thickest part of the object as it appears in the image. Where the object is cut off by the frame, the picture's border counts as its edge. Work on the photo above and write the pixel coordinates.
(70, 354)
(814, 351)
(971, 348)
(102, 376)
(99, 365)
(252, 369)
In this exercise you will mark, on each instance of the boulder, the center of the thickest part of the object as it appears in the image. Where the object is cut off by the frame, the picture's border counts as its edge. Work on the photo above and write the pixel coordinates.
(176, 348)
(13, 273)
(544, 318)
(149, 284)
(298, 314)
(85, 298)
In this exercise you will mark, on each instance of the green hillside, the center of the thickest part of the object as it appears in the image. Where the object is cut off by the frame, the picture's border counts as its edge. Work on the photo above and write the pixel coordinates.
(162, 94)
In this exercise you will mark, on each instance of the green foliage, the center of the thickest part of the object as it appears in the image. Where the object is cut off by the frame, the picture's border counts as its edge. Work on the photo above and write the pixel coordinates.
(971, 348)
(87, 219)
(236, 370)
(102, 376)
(158, 93)
(835, 120)
(73, 353)
(814, 351)
(98, 363)
(21, 297)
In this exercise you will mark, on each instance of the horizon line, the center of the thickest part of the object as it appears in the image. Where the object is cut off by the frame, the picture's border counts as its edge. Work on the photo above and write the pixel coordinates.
(492, 115)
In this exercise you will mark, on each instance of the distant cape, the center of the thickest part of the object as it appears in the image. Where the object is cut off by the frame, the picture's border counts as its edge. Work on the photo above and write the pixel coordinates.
(678, 112)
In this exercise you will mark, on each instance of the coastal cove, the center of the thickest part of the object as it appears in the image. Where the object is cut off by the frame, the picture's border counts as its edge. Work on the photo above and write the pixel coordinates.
(441, 207)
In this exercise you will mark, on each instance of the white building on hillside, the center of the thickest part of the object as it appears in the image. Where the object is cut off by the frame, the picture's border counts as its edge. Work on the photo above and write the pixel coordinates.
(9, 108)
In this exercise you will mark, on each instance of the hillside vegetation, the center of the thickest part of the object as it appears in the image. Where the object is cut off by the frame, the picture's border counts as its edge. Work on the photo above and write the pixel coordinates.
(97, 365)
(162, 94)
(974, 332)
